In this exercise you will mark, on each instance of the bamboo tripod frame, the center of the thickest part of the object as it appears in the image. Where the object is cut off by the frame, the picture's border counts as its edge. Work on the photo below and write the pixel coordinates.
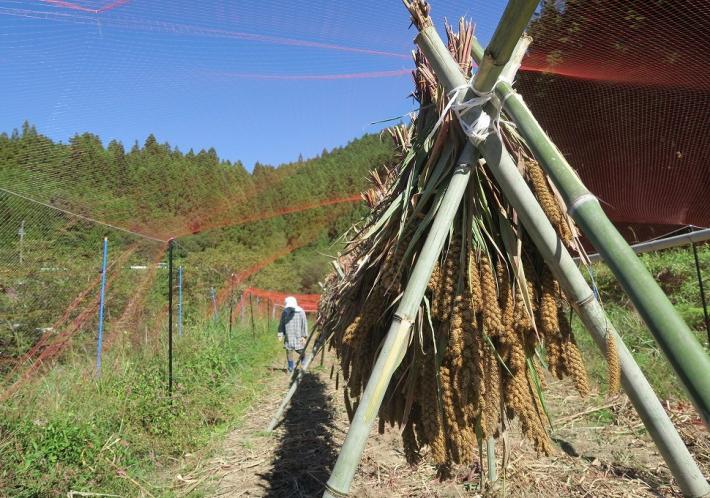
(683, 467)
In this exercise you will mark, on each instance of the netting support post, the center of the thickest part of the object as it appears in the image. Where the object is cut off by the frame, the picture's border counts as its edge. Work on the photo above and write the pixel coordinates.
(180, 301)
(21, 233)
(213, 298)
(558, 259)
(231, 313)
(102, 295)
(170, 317)
(397, 339)
(702, 289)
(672, 334)
(251, 314)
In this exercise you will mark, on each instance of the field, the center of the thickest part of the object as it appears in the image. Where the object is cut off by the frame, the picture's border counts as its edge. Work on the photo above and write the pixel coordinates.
(120, 434)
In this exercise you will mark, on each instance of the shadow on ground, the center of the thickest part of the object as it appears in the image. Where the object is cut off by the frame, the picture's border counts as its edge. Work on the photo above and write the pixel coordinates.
(306, 452)
(653, 482)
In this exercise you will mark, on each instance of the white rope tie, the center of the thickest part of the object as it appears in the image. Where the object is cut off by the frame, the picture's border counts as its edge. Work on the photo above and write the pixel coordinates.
(478, 129)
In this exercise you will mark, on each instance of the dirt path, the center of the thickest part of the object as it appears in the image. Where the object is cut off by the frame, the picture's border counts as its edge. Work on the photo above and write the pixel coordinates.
(604, 451)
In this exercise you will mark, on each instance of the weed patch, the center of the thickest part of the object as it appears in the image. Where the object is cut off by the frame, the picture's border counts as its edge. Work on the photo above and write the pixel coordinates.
(70, 431)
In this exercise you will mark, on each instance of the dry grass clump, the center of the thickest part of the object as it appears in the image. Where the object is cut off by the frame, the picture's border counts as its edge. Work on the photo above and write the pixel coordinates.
(492, 309)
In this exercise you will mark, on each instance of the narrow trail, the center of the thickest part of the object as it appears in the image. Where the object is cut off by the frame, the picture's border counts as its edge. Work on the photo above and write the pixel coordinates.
(604, 451)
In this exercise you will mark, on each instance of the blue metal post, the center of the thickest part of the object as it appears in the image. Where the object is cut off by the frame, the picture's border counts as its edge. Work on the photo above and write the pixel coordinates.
(101, 307)
(170, 318)
(180, 301)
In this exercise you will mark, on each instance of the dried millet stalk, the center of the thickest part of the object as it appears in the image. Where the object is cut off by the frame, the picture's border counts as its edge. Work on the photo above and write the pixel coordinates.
(350, 342)
(393, 260)
(449, 282)
(613, 365)
(430, 415)
(547, 200)
(450, 419)
(573, 357)
(506, 305)
(492, 321)
(470, 352)
(548, 304)
(490, 397)
(541, 440)
(474, 282)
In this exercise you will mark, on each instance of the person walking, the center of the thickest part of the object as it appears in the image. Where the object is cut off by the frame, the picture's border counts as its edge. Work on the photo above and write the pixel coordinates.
(293, 330)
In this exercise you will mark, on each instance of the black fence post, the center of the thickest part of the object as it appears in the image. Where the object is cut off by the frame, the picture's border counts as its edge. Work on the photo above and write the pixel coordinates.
(702, 290)
(231, 312)
(251, 312)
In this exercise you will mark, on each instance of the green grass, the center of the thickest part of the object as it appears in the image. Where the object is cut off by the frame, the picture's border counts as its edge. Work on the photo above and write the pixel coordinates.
(68, 431)
(674, 270)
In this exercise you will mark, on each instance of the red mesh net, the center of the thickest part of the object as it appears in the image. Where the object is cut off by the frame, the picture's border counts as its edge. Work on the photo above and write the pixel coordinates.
(622, 89)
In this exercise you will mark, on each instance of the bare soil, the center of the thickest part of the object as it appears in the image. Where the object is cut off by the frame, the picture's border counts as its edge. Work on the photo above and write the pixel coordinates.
(603, 451)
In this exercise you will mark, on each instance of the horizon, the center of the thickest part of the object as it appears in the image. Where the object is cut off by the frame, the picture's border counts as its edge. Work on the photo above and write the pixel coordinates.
(141, 144)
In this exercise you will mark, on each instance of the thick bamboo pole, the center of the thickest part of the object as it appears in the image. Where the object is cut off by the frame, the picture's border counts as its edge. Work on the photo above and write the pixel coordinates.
(500, 49)
(516, 190)
(680, 346)
(399, 333)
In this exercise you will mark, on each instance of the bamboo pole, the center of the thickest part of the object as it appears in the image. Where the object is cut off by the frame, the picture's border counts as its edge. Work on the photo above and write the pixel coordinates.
(492, 474)
(291, 391)
(499, 51)
(516, 190)
(680, 346)
(304, 360)
(398, 335)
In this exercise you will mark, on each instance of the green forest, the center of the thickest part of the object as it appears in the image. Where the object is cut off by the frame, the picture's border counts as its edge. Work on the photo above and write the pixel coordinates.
(224, 219)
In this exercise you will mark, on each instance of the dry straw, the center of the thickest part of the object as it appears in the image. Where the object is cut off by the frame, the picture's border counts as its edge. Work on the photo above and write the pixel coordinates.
(492, 308)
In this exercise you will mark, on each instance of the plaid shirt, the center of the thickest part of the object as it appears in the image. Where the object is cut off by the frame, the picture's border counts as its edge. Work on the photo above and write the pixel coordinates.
(294, 326)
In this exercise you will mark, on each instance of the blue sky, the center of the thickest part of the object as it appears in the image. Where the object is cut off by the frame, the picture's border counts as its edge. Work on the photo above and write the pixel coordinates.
(258, 80)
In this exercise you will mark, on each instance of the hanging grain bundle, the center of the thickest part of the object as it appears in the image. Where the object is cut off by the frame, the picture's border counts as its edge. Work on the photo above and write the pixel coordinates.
(491, 309)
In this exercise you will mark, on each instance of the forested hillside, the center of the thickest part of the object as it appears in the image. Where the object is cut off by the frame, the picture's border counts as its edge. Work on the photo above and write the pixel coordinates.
(159, 190)
(281, 220)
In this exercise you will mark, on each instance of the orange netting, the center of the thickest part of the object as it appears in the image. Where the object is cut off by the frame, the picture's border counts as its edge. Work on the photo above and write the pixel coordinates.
(622, 88)
(309, 302)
